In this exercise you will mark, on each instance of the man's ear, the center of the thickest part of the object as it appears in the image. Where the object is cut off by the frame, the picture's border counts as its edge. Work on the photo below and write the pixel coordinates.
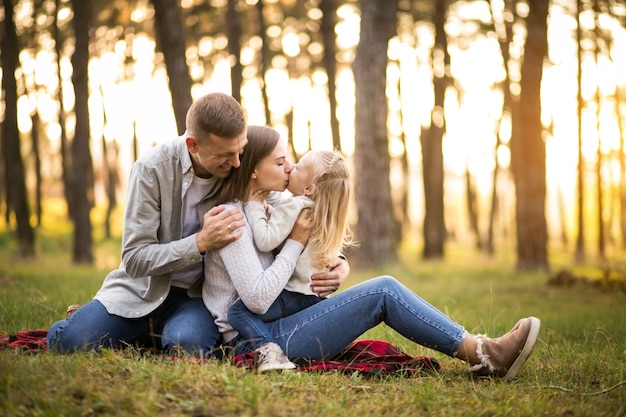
(309, 190)
(192, 145)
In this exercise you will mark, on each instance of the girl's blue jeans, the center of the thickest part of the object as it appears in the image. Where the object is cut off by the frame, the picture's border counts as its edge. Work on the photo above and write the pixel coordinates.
(180, 322)
(253, 328)
(325, 328)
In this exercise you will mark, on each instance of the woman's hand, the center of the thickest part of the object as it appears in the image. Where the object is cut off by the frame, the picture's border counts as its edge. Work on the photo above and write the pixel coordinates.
(302, 228)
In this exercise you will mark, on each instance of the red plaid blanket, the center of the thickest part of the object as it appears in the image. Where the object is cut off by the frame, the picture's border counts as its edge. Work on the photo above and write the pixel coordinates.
(364, 356)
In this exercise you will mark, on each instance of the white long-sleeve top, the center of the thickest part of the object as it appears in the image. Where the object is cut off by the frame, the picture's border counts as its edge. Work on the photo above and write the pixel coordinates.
(241, 270)
(270, 232)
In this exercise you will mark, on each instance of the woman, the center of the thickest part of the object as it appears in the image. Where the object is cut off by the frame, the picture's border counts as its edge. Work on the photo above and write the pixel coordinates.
(325, 328)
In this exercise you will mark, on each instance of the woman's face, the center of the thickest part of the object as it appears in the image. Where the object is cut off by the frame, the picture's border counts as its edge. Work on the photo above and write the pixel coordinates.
(301, 174)
(272, 173)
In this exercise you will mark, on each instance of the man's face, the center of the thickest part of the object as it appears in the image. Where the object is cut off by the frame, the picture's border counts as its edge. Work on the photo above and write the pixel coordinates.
(215, 156)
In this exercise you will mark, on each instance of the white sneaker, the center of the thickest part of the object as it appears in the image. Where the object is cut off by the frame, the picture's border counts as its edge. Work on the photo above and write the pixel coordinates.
(271, 357)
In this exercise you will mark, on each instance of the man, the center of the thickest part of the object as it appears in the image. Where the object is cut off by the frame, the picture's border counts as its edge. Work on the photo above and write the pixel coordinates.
(153, 298)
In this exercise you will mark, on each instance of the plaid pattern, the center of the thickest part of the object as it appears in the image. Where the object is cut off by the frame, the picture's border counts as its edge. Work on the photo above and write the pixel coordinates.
(364, 356)
(28, 340)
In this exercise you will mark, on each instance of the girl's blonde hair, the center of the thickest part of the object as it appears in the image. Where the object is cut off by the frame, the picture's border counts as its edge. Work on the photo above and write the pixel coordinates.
(330, 232)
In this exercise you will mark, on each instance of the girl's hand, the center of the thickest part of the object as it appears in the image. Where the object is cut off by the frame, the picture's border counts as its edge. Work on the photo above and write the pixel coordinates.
(258, 195)
(302, 228)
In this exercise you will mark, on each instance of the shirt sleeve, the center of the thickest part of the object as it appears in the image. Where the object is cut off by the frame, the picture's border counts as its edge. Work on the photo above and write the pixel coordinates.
(270, 231)
(143, 252)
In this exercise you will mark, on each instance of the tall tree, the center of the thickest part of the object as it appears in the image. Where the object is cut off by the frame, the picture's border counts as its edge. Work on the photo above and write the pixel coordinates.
(82, 166)
(327, 28)
(431, 141)
(264, 62)
(377, 229)
(170, 34)
(528, 151)
(504, 30)
(17, 200)
(65, 155)
(234, 32)
(580, 240)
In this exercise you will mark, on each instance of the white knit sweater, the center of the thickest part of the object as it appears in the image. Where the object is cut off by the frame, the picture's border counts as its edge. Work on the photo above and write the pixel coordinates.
(270, 232)
(241, 270)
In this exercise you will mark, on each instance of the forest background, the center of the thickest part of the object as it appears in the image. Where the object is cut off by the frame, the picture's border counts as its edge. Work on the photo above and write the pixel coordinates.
(496, 122)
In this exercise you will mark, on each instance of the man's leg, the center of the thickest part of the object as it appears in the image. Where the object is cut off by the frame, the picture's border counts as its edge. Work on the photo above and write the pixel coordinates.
(91, 327)
(190, 327)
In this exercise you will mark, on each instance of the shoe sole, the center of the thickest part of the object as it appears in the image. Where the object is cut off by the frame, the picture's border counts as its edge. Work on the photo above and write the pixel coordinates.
(283, 367)
(533, 333)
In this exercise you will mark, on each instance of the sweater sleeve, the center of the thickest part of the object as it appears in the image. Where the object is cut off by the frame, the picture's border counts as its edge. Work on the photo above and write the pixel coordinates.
(257, 286)
(270, 231)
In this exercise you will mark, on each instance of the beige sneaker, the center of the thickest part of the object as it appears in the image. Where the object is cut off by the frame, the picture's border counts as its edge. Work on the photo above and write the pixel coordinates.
(271, 357)
(503, 357)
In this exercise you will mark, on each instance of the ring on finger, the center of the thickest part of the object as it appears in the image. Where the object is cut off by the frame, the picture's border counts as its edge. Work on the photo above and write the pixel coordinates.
(229, 227)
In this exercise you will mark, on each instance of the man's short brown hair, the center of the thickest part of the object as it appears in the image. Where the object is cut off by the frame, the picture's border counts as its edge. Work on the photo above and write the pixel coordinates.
(218, 114)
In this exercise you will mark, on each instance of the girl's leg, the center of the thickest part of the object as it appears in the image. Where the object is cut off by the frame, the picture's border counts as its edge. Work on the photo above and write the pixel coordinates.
(91, 327)
(324, 329)
(253, 328)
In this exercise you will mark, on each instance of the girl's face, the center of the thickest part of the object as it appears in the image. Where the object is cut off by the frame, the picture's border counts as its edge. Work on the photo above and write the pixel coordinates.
(272, 173)
(301, 175)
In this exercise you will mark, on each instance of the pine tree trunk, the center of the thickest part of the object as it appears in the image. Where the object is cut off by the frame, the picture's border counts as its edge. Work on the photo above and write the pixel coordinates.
(377, 229)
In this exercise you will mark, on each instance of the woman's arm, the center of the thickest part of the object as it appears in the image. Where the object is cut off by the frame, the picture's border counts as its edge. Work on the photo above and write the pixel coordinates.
(257, 276)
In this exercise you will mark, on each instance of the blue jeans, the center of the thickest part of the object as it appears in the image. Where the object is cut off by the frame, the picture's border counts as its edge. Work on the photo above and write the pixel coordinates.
(325, 328)
(252, 327)
(180, 322)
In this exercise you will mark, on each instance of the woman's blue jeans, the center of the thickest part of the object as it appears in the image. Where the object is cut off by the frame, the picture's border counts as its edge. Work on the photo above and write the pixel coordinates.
(180, 322)
(325, 328)
(253, 328)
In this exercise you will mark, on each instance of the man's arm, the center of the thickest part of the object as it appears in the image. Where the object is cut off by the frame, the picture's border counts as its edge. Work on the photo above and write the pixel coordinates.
(326, 283)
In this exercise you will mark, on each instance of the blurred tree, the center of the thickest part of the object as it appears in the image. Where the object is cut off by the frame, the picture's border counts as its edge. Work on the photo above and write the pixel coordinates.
(377, 230)
(17, 200)
(65, 155)
(528, 151)
(503, 27)
(264, 61)
(599, 153)
(235, 31)
(327, 29)
(82, 167)
(580, 239)
(432, 139)
(173, 42)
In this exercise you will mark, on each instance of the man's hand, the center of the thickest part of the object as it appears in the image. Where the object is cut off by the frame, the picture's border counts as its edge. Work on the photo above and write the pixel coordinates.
(220, 227)
(326, 283)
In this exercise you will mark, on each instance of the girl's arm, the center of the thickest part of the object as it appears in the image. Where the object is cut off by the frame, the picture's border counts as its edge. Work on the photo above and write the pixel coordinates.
(270, 232)
(259, 286)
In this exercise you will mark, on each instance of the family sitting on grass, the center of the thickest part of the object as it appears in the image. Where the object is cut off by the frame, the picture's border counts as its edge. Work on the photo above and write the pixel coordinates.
(214, 264)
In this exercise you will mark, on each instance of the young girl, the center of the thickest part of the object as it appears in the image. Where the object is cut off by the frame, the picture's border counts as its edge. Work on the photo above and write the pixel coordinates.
(321, 184)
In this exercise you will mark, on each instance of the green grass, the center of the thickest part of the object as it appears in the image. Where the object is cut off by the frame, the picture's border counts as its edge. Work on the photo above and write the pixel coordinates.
(578, 361)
